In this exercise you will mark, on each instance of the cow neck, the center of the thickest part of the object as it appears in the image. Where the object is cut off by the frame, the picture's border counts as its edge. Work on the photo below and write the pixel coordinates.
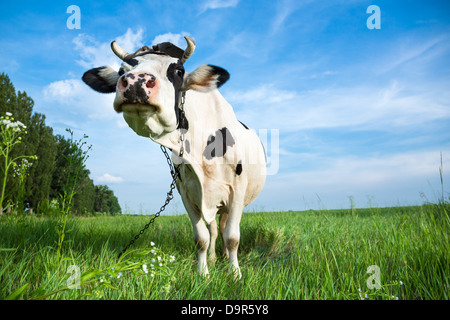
(175, 139)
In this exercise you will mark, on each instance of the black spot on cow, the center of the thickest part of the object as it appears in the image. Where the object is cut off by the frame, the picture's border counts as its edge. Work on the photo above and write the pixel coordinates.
(239, 168)
(175, 74)
(244, 126)
(183, 123)
(136, 93)
(217, 144)
(132, 62)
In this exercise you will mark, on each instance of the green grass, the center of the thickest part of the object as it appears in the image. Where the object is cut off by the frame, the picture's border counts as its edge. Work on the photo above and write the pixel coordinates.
(283, 255)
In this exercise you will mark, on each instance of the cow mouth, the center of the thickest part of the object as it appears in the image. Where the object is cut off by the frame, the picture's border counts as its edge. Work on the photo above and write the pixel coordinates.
(137, 108)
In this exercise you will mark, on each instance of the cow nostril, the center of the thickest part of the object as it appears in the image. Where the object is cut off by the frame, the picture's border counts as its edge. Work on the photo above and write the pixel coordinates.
(124, 82)
(150, 83)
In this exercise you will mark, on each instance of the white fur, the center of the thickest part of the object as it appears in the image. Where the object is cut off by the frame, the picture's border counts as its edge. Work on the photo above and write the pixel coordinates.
(109, 75)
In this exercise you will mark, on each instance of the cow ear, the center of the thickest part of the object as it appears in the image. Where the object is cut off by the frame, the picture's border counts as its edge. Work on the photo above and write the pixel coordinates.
(205, 78)
(103, 79)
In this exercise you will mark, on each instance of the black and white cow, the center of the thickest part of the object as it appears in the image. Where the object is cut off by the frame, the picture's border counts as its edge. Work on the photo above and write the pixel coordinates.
(223, 167)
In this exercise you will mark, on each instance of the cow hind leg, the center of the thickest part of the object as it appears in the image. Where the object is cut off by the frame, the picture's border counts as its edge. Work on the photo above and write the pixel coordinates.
(222, 222)
(231, 236)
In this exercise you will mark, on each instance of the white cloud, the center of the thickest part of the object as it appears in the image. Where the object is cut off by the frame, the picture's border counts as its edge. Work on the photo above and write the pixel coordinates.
(64, 89)
(283, 11)
(72, 95)
(265, 94)
(360, 107)
(409, 51)
(107, 178)
(75, 97)
(131, 41)
(175, 38)
(96, 54)
(217, 4)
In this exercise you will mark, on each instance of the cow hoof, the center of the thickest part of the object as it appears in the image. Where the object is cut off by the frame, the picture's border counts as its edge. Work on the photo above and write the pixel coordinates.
(237, 275)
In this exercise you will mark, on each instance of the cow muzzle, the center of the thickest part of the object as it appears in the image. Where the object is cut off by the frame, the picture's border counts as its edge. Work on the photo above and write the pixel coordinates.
(136, 90)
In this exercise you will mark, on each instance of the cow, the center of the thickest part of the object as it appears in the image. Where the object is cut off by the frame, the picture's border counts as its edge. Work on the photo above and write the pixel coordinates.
(222, 163)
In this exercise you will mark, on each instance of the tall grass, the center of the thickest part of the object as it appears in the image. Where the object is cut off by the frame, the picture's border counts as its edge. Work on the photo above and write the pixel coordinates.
(283, 255)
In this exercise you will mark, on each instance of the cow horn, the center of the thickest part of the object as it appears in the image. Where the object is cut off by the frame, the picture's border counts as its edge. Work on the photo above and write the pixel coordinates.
(118, 50)
(189, 50)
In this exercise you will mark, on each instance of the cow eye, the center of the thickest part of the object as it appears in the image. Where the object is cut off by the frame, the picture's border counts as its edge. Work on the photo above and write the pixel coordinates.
(179, 72)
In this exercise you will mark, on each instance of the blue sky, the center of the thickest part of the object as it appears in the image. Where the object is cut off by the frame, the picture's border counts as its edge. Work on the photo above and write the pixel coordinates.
(348, 111)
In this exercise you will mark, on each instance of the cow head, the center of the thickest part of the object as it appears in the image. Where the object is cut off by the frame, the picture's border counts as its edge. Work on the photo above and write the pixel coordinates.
(149, 85)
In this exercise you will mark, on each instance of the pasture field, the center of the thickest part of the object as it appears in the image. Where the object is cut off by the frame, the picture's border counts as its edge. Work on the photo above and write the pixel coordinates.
(321, 254)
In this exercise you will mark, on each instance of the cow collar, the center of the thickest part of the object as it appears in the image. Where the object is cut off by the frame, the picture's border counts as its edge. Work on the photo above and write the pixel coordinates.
(182, 122)
(165, 48)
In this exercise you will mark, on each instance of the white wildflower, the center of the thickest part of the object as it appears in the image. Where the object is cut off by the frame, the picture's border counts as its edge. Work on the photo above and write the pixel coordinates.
(119, 275)
(401, 283)
(159, 258)
(172, 258)
(144, 268)
(152, 244)
(153, 260)
(9, 114)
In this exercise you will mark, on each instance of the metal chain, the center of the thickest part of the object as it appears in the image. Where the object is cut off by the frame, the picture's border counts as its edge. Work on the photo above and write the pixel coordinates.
(175, 175)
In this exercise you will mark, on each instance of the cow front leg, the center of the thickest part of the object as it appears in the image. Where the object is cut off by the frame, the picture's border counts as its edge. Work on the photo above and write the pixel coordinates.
(201, 240)
(212, 227)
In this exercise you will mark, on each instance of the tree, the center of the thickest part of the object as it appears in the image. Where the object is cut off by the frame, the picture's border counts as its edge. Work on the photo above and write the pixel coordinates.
(84, 199)
(8, 100)
(59, 170)
(40, 142)
(106, 201)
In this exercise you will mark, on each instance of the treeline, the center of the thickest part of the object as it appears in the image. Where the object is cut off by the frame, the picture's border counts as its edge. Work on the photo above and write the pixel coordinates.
(40, 189)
